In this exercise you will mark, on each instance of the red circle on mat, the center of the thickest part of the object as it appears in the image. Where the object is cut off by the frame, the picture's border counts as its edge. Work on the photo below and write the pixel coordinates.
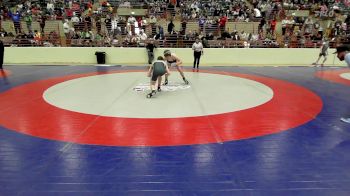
(24, 110)
(334, 76)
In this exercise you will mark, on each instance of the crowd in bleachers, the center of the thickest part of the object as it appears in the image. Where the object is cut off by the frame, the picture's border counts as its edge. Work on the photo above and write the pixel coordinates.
(97, 23)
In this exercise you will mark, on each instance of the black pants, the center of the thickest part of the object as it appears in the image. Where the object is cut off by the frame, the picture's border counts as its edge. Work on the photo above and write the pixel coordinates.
(150, 57)
(17, 26)
(197, 57)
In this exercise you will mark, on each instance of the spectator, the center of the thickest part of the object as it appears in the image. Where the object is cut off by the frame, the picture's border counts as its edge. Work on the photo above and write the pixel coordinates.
(143, 23)
(131, 23)
(183, 26)
(160, 34)
(261, 25)
(3, 33)
(76, 22)
(108, 23)
(28, 19)
(171, 27)
(273, 24)
(142, 37)
(50, 7)
(308, 26)
(153, 22)
(98, 24)
(257, 13)
(222, 23)
(122, 25)
(42, 22)
(114, 26)
(87, 22)
(16, 19)
(201, 22)
(66, 29)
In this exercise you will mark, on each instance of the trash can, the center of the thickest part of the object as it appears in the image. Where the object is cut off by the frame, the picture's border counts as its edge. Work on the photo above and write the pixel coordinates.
(101, 57)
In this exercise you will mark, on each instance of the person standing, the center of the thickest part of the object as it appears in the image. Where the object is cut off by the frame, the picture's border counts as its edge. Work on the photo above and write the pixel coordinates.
(343, 54)
(42, 23)
(66, 29)
(171, 27)
(16, 19)
(150, 50)
(197, 48)
(156, 71)
(2, 49)
(108, 24)
(153, 22)
(29, 19)
(173, 60)
(323, 52)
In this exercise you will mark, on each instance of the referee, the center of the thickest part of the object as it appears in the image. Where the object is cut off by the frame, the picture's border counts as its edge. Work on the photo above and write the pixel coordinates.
(197, 47)
(343, 54)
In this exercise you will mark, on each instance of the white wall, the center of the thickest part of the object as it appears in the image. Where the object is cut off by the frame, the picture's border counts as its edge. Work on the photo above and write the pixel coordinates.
(138, 56)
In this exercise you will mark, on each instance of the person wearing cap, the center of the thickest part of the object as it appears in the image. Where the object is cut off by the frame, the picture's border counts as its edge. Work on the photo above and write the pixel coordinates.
(323, 52)
(343, 54)
(156, 71)
(173, 60)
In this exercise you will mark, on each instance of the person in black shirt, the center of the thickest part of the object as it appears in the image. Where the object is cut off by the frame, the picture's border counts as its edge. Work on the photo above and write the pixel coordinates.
(150, 47)
(171, 27)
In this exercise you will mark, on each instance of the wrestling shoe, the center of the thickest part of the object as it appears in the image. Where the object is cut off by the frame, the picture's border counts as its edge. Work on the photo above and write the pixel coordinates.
(151, 94)
(346, 120)
(186, 81)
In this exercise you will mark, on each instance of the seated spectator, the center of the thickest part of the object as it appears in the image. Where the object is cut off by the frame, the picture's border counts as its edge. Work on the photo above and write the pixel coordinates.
(171, 27)
(37, 37)
(257, 13)
(66, 29)
(3, 33)
(142, 36)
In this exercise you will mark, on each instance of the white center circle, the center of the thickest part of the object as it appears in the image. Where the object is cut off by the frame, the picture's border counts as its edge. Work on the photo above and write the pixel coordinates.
(113, 95)
(345, 76)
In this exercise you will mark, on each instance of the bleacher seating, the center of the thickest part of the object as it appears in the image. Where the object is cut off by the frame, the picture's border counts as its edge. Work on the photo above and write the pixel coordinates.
(166, 12)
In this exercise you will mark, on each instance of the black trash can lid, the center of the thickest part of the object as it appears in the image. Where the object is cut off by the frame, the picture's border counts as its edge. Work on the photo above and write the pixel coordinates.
(98, 52)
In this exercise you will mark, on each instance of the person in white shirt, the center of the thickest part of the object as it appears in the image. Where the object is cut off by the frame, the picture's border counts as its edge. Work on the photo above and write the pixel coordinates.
(284, 26)
(50, 7)
(114, 25)
(131, 23)
(142, 37)
(66, 28)
(323, 52)
(197, 48)
(343, 54)
(257, 13)
(75, 21)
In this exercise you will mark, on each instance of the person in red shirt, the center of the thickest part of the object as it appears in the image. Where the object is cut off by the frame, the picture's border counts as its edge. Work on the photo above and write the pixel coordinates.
(139, 22)
(89, 5)
(222, 23)
(273, 24)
